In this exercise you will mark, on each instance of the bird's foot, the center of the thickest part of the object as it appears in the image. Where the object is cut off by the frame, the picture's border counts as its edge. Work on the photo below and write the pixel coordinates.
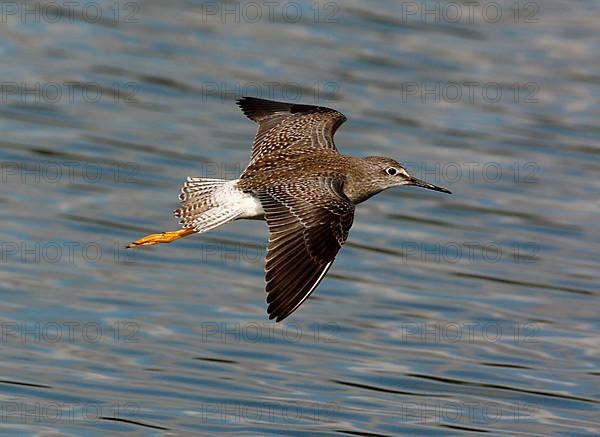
(163, 237)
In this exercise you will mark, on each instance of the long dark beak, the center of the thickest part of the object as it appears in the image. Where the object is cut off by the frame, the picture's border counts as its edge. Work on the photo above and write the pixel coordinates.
(419, 183)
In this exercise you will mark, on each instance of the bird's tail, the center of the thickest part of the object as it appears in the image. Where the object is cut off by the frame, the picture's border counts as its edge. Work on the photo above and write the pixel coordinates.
(205, 204)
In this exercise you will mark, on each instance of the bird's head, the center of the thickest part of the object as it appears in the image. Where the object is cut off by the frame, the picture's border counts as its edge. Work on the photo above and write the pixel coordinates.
(387, 173)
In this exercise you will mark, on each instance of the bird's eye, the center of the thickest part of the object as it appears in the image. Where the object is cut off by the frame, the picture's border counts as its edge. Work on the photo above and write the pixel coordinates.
(392, 171)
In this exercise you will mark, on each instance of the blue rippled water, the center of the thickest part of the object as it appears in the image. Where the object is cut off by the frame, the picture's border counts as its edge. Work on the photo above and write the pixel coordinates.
(470, 313)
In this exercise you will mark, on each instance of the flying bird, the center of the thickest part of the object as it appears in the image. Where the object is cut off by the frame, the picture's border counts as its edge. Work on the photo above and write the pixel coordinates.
(301, 185)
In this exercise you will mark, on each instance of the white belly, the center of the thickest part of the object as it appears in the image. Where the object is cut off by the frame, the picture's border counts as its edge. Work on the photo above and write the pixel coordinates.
(249, 205)
(253, 209)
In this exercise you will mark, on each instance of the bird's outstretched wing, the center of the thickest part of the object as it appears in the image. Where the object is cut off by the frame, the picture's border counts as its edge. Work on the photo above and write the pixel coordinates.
(282, 125)
(308, 221)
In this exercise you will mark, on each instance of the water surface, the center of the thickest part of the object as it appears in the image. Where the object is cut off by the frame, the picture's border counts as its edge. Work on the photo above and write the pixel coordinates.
(470, 313)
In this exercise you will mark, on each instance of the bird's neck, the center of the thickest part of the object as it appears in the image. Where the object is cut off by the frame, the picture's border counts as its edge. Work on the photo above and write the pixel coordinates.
(358, 186)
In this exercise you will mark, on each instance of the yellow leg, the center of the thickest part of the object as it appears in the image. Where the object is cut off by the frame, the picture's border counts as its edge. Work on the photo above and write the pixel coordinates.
(163, 237)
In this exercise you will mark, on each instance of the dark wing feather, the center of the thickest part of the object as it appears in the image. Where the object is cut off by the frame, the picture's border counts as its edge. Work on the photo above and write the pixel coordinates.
(282, 125)
(308, 223)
